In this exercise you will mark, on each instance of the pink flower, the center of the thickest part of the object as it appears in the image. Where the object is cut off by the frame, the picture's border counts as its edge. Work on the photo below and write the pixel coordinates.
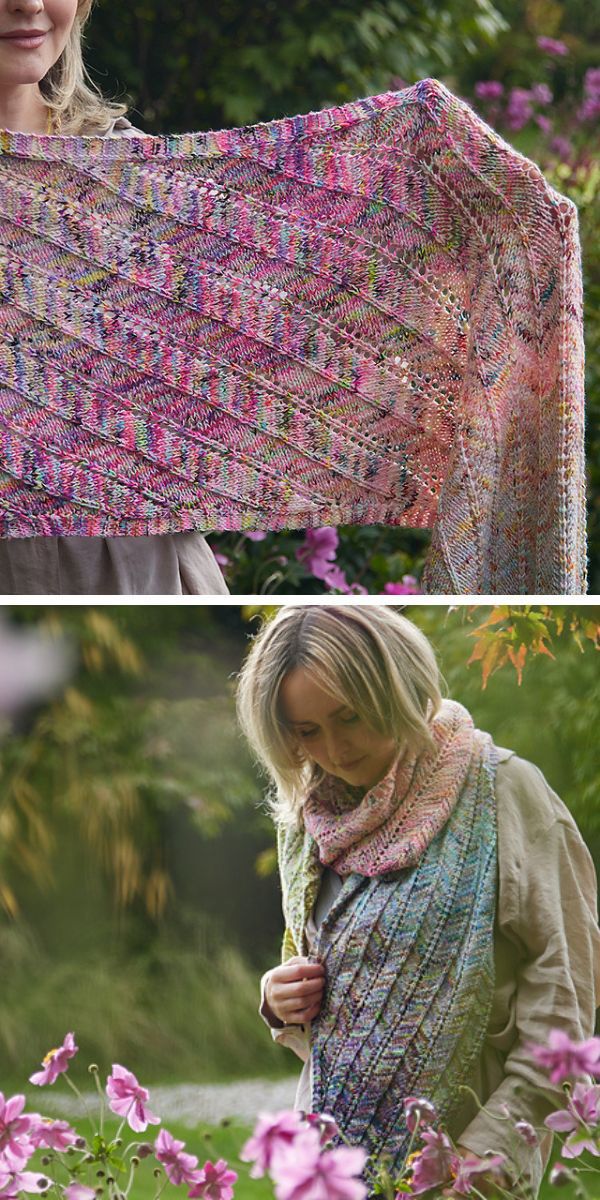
(544, 123)
(318, 550)
(552, 46)
(179, 1166)
(540, 92)
(560, 1175)
(303, 1171)
(436, 1164)
(469, 1168)
(56, 1135)
(222, 559)
(271, 1132)
(214, 1181)
(256, 536)
(562, 147)
(15, 1145)
(13, 1182)
(418, 1111)
(519, 109)
(79, 1191)
(565, 1059)
(579, 1119)
(55, 1062)
(407, 587)
(128, 1099)
(324, 1124)
(489, 89)
(527, 1132)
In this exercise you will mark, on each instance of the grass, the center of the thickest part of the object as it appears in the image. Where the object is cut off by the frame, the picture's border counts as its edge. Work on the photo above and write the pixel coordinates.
(225, 1140)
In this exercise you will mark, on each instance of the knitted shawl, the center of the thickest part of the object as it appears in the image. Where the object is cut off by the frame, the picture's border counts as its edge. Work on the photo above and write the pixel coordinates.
(368, 314)
(409, 961)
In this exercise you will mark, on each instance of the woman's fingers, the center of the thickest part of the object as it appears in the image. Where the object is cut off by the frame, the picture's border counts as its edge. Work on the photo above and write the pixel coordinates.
(294, 990)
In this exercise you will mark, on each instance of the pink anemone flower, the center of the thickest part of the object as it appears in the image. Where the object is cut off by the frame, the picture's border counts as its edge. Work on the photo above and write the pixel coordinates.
(56, 1135)
(214, 1182)
(271, 1132)
(127, 1098)
(55, 1062)
(580, 1120)
(436, 1164)
(79, 1191)
(15, 1145)
(564, 1059)
(179, 1166)
(303, 1171)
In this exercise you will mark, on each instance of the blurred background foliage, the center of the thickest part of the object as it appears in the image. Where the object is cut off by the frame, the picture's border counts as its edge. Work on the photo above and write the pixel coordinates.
(190, 66)
(139, 904)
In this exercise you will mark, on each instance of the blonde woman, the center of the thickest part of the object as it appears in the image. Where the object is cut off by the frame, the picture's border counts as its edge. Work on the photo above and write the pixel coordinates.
(439, 901)
(44, 88)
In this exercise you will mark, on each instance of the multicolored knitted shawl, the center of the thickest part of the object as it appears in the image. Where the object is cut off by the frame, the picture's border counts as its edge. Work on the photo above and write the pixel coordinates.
(366, 314)
(409, 960)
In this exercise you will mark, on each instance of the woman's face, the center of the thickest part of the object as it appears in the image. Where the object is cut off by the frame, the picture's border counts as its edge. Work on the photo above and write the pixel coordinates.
(331, 734)
(20, 65)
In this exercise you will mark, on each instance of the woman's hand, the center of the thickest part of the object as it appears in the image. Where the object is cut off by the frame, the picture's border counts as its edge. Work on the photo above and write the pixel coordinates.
(294, 991)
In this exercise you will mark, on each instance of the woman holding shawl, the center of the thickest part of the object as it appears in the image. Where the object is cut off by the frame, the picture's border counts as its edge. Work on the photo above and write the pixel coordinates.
(44, 88)
(439, 901)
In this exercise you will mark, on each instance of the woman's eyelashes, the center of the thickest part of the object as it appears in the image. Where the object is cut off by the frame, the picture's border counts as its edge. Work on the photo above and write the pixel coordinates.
(346, 720)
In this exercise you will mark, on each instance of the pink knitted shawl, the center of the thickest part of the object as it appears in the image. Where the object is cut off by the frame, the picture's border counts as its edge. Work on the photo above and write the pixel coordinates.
(369, 314)
(397, 819)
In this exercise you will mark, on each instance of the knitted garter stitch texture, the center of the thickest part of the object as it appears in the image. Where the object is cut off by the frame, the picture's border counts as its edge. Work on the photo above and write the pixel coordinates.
(408, 952)
(369, 314)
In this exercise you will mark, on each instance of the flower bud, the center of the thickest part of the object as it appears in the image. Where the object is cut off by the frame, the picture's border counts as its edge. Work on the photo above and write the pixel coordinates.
(560, 1176)
(135, 1162)
(145, 1149)
(94, 1069)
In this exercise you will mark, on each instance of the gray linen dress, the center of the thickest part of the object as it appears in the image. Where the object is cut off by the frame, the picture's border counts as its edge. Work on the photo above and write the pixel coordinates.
(161, 564)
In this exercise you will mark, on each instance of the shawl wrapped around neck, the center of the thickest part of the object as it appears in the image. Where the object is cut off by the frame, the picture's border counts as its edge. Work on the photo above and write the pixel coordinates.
(368, 314)
(408, 943)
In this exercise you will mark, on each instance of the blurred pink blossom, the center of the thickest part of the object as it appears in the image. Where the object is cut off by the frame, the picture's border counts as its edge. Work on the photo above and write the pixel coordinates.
(562, 147)
(256, 536)
(407, 587)
(436, 1164)
(127, 1098)
(579, 1119)
(55, 1062)
(180, 1167)
(214, 1182)
(271, 1132)
(527, 1132)
(79, 1191)
(552, 46)
(519, 108)
(590, 109)
(318, 550)
(469, 1168)
(303, 1171)
(418, 1110)
(56, 1135)
(565, 1059)
(540, 92)
(325, 1125)
(13, 1182)
(489, 89)
(15, 1145)
(544, 122)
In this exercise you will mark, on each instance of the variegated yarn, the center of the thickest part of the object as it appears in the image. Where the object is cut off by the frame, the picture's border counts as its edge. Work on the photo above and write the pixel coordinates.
(369, 314)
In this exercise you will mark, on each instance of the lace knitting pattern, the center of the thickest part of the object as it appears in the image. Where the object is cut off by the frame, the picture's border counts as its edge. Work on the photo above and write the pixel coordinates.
(369, 314)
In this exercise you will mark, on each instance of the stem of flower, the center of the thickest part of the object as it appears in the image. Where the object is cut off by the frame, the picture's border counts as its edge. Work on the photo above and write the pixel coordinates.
(81, 1099)
(101, 1095)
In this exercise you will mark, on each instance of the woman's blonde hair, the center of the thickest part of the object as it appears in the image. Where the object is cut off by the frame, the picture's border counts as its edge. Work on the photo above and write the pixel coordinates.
(369, 657)
(70, 92)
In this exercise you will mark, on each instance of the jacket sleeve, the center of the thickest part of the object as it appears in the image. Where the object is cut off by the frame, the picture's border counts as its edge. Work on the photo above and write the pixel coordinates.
(550, 912)
(294, 1037)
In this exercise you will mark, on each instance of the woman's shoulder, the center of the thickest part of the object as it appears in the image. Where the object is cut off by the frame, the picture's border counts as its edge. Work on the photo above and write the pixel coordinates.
(526, 801)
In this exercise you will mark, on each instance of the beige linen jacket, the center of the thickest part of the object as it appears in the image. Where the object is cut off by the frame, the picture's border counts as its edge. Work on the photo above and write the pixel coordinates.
(547, 955)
